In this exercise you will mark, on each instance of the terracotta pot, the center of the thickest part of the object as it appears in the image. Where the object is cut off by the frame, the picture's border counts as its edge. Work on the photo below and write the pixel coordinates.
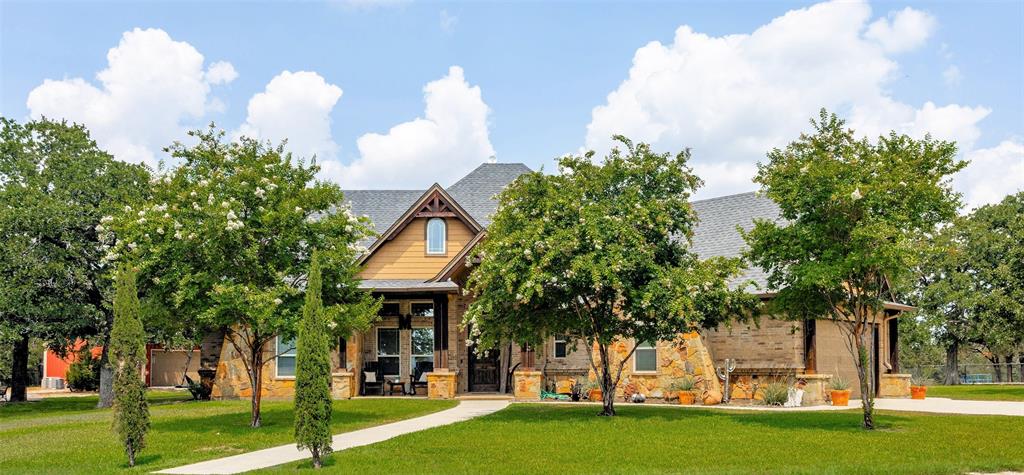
(917, 392)
(595, 395)
(686, 397)
(840, 397)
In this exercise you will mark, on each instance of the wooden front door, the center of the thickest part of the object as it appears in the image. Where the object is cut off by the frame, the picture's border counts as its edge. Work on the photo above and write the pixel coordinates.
(483, 372)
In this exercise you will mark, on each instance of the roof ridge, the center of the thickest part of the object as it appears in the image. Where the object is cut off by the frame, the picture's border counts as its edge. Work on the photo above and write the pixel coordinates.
(733, 195)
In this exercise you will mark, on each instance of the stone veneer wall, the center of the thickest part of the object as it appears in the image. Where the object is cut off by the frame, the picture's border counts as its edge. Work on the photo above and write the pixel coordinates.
(684, 356)
(232, 380)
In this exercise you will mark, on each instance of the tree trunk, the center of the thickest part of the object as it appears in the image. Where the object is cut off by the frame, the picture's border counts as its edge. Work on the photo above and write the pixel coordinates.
(607, 388)
(317, 462)
(1009, 367)
(131, 457)
(106, 376)
(867, 396)
(19, 370)
(256, 383)
(997, 368)
(952, 363)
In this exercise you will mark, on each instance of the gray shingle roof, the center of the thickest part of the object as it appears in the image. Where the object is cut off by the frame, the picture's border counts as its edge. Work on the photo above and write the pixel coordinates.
(716, 234)
(475, 192)
(382, 206)
(405, 285)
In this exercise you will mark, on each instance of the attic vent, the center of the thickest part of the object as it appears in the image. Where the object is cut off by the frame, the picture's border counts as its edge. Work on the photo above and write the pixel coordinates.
(436, 206)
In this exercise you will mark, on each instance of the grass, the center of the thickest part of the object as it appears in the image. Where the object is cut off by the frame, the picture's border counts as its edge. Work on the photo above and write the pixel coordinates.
(561, 439)
(68, 435)
(980, 392)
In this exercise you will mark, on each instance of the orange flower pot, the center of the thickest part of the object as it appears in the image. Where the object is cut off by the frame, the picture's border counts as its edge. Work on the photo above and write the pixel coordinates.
(686, 397)
(918, 392)
(841, 397)
(595, 395)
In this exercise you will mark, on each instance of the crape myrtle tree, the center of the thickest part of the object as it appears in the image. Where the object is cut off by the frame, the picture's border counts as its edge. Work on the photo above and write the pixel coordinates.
(313, 373)
(599, 252)
(55, 185)
(225, 241)
(855, 213)
(128, 348)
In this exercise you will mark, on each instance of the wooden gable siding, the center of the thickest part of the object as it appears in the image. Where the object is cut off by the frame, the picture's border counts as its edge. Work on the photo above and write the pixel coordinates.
(405, 256)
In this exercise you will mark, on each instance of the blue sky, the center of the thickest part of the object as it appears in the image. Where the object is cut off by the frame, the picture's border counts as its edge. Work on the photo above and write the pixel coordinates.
(530, 76)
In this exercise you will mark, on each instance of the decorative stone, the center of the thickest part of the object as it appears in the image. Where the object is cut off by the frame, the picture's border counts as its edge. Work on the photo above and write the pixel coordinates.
(894, 385)
(526, 385)
(343, 385)
(817, 389)
(441, 384)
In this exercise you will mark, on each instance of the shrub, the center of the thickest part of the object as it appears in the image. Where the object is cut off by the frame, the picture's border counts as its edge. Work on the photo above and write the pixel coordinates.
(839, 383)
(313, 372)
(775, 393)
(686, 383)
(128, 350)
(84, 373)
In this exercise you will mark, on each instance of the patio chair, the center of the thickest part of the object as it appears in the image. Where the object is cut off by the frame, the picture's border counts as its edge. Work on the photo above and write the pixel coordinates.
(3, 390)
(371, 378)
(419, 375)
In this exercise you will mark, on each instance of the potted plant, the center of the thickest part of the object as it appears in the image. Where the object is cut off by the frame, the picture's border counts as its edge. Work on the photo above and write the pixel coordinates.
(684, 389)
(917, 387)
(593, 391)
(840, 393)
(576, 391)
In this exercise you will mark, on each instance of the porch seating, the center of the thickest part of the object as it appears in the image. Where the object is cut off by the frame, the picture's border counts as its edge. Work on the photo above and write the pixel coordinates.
(371, 377)
(419, 376)
(3, 391)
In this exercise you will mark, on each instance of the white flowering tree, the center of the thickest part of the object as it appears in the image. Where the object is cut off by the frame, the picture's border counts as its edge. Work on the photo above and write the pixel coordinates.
(855, 217)
(225, 244)
(599, 252)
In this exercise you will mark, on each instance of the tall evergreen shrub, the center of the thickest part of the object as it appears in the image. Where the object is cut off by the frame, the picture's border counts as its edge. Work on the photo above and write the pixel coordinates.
(128, 348)
(313, 373)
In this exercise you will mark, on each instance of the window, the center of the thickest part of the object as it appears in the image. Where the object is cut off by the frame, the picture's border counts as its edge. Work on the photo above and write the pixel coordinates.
(646, 357)
(388, 309)
(561, 346)
(422, 346)
(387, 351)
(285, 351)
(436, 236)
(422, 309)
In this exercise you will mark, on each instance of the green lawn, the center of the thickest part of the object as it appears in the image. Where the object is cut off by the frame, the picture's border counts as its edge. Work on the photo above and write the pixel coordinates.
(980, 392)
(560, 439)
(68, 435)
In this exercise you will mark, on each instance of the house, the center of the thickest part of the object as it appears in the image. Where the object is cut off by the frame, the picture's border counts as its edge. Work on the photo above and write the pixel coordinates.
(417, 265)
(164, 367)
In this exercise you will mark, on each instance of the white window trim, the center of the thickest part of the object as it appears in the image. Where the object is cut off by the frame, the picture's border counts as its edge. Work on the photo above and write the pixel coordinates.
(554, 347)
(654, 346)
(289, 355)
(412, 356)
(444, 238)
(376, 348)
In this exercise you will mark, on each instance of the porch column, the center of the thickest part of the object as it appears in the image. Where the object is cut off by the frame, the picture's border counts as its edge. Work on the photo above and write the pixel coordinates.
(440, 331)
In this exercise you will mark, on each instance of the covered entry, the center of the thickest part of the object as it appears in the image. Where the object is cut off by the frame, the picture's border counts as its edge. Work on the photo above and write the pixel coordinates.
(169, 367)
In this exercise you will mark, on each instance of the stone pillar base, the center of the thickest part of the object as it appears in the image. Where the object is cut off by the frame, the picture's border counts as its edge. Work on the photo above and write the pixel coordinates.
(817, 390)
(441, 384)
(343, 385)
(526, 385)
(894, 385)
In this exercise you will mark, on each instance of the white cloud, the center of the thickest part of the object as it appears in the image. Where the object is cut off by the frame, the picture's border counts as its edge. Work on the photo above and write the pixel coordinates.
(448, 21)
(733, 98)
(295, 106)
(992, 174)
(151, 91)
(449, 141)
(901, 31)
(952, 76)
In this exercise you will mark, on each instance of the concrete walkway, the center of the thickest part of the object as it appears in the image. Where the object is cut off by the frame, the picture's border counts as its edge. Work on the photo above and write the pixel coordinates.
(288, 453)
(943, 405)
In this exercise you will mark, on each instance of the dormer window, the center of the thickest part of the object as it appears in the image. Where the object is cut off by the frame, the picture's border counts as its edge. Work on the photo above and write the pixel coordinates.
(436, 234)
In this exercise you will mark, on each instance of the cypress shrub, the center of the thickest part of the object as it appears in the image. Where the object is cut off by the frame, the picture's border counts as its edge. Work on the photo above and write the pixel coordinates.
(313, 373)
(128, 350)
